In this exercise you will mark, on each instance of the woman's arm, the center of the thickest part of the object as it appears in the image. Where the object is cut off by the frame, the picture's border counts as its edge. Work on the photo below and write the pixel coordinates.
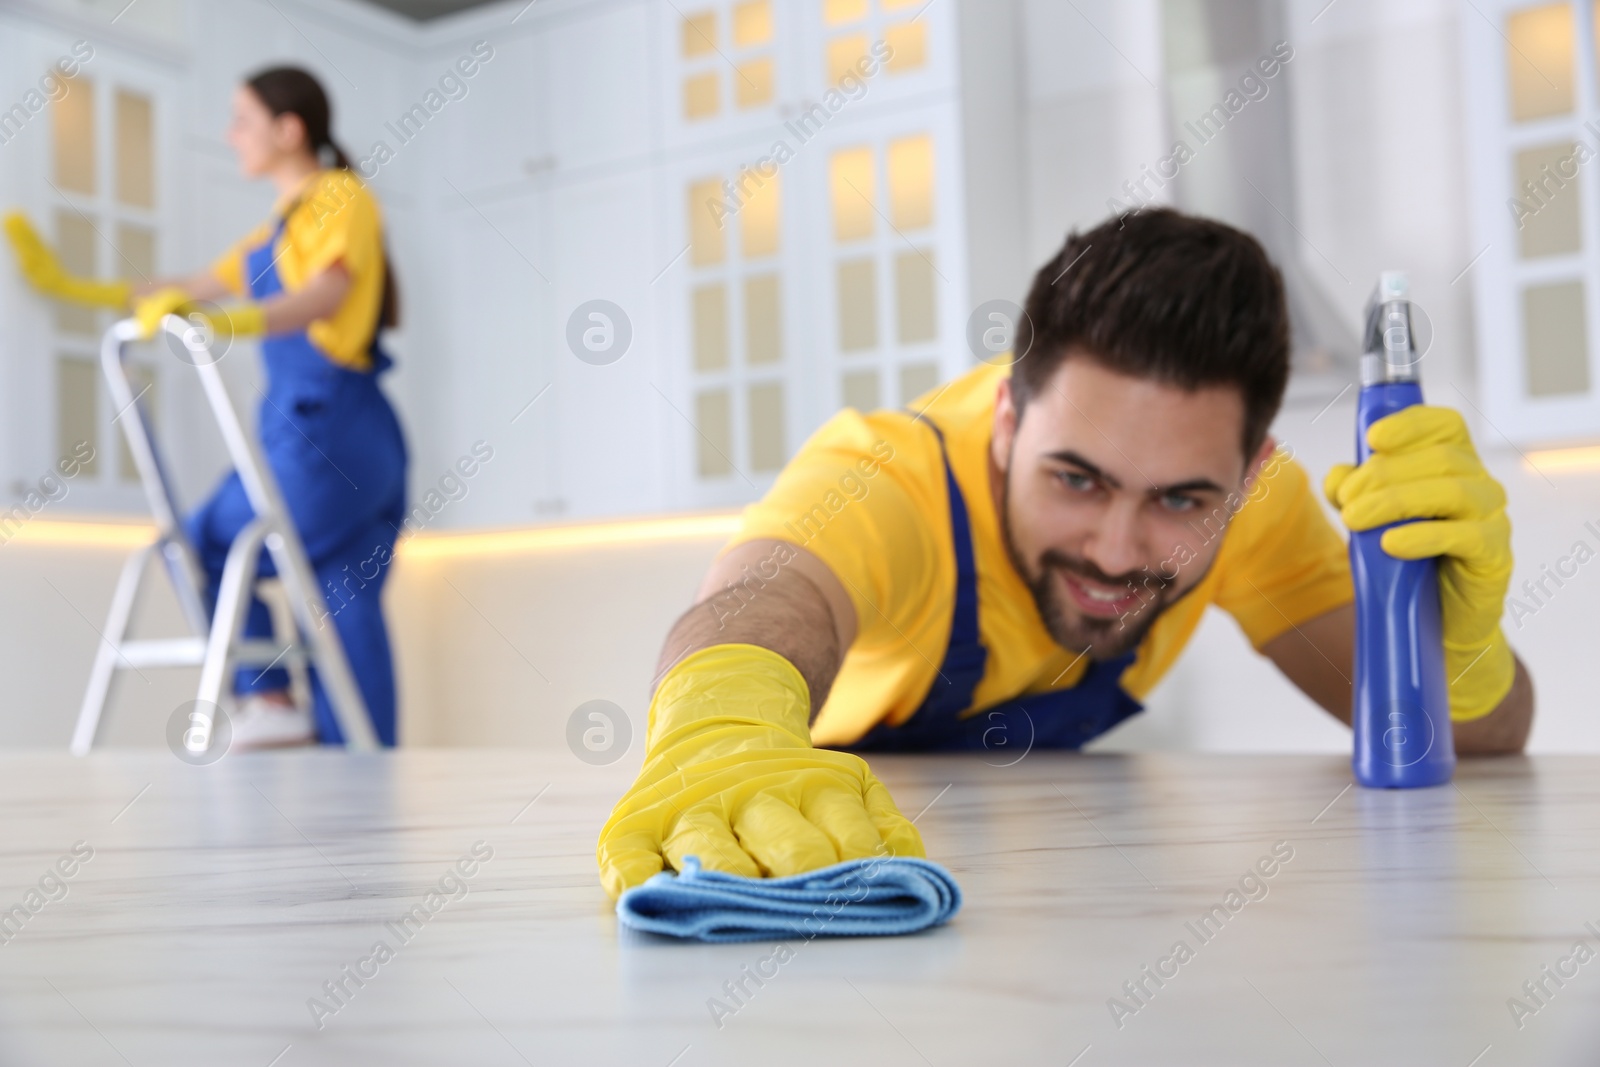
(287, 312)
(202, 285)
(319, 298)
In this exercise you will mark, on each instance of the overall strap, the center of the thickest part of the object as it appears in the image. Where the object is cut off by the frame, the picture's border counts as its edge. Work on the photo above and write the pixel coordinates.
(964, 657)
(1063, 718)
(263, 280)
(261, 266)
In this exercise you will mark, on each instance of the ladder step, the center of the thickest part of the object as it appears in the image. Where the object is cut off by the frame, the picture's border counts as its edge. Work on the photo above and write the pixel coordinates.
(162, 652)
(259, 653)
(191, 652)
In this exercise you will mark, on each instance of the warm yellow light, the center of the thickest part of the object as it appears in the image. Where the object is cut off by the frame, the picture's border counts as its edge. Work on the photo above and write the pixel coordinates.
(705, 222)
(586, 535)
(752, 83)
(701, 95)
(838, 12)
(853, 185)
(908, 47)
(752, 23)
(1586, 457)
(911, 182)
(75, 136)
(1539, 60)
(425, 545)
(761, 219)
(843, 55)
(699, 35)
(76, 534)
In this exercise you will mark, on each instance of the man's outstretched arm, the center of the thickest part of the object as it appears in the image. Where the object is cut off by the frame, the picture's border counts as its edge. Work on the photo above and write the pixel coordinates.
(776, 595)
(730, 775)
(1319, 657)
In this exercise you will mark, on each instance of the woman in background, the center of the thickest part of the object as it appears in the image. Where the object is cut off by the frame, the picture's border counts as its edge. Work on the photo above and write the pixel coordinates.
(313, 281)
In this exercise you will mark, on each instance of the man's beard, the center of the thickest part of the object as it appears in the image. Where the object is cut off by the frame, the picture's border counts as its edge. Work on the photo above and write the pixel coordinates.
(1102, 638)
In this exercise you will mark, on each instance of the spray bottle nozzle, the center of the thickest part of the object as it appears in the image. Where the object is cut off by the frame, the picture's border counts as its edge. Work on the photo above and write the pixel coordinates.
(1390, 351)
(1394, 285)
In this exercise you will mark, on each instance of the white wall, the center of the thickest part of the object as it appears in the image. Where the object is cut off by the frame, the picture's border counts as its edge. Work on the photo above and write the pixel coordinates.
(1093, 110)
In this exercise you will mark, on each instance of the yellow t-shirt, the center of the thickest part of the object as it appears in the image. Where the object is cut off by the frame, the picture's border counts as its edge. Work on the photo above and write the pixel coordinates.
(335, 220)
(866, 494)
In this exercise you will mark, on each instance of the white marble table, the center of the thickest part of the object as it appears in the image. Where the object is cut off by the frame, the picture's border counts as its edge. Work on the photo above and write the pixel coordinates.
(219, 900)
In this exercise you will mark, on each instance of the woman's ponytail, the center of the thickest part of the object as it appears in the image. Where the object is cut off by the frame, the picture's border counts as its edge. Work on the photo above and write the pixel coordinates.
(329, 153)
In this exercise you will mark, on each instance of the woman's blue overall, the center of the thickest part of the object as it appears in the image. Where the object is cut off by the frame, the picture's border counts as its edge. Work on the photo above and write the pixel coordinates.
(336, 449)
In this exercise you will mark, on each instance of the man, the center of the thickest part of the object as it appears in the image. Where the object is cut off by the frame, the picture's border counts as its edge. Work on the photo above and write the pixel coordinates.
(1029, 550)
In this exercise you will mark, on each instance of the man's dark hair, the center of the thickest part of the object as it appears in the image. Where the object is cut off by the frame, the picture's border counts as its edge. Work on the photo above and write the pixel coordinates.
(1187, 301)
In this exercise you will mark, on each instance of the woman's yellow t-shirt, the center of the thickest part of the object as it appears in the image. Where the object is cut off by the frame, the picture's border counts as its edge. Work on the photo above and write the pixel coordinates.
(866, 494)
(333, 220)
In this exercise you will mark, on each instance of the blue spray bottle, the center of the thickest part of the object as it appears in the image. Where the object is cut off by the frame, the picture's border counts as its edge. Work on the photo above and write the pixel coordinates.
(1402, 699)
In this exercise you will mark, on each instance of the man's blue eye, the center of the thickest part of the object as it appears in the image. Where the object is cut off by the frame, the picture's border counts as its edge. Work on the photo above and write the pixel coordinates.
(1075, 480)
(1179, 502)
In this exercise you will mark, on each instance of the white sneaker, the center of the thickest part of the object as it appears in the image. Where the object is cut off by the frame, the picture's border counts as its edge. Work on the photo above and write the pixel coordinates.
(262, 723)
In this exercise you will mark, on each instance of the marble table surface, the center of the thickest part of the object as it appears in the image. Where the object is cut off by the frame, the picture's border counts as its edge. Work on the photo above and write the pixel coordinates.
(173, 914)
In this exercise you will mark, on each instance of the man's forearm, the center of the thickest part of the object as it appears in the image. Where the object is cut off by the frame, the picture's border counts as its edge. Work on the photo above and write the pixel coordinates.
(1319, 656)
(787, 613)
(1503, 730)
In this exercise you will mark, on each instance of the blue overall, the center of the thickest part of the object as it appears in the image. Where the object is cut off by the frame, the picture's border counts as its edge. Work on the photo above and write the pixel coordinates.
(336, 449)
(1061, 718)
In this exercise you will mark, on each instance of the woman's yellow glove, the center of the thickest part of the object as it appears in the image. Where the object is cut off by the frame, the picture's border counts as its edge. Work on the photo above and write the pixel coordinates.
(40, 265)
(730, 776)
(1423, 466)
(238, 320)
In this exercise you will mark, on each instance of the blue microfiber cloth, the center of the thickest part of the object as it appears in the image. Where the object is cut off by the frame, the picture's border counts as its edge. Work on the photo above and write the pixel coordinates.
(856, 898)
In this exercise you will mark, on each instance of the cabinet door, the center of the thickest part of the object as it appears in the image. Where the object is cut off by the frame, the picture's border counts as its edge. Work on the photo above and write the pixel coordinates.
(1533, 136)
(596, 80)
(735, 337)
(606, 403)
(489, 377)
(497, 135)
(886, 255)
(822, 230)
(95, 178)
(727, 67)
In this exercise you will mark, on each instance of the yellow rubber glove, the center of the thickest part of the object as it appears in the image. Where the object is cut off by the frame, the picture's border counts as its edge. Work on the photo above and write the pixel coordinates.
(730, 776)
(238, 320)
(1423, 466)
(42, 268)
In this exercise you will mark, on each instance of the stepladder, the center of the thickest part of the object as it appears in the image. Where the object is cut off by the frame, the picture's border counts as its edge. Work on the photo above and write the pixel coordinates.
(214, 618)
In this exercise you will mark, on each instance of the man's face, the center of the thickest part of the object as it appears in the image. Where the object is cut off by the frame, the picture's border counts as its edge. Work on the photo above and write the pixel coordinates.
(1114, 495)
